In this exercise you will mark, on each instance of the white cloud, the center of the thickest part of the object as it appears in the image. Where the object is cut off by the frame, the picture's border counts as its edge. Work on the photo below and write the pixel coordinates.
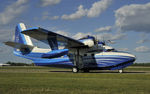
(78, 14)
(118, 36)
(103, 29)
(142, 41)
(98, 7)
(134, 17)
(142, 49)
(80, 35)
(46, 16)
(49, 2)
(105, 36)
(12, 11)
(74, 36)
(63, 33)
(109, 36)
(123, 49)
(54, 18)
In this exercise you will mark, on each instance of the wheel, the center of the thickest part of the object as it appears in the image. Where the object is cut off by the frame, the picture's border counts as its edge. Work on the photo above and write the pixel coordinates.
(120, 71)
(75, 70)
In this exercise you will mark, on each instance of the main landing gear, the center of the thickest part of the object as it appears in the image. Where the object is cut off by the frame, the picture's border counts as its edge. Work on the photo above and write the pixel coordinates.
(120, 71)
(75, 70)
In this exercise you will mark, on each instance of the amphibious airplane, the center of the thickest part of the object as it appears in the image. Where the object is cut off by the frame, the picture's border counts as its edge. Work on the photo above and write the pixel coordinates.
(84, 54)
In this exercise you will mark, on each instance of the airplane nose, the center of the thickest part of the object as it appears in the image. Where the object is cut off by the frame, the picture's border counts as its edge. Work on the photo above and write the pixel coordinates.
(129, 57)
(132, 57)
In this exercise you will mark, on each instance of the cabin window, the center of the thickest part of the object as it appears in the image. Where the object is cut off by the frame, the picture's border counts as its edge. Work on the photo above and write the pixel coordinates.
(110, 50)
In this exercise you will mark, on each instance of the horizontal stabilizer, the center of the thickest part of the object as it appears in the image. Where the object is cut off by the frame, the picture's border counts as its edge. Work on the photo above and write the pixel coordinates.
(18, 45)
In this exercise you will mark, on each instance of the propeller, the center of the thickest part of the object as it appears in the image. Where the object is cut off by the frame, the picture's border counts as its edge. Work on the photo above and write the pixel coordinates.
(104, 42)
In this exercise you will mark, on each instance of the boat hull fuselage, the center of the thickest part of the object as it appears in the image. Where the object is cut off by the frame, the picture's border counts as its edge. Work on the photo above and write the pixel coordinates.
(101, 61)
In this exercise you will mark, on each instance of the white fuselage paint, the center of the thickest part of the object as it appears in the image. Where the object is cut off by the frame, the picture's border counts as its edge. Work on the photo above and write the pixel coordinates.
(40, 50)
(115, 54)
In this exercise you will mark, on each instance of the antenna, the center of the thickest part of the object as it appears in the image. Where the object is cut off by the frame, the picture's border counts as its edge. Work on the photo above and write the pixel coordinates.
(96, 41)
(103, 40)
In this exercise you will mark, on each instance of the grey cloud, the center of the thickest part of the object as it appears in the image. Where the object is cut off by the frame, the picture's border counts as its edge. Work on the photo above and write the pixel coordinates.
(142, 49)
(134, 17)
(12, 11)
(50, 2)
(142, 41)
(46, 16)
(104, 29)
(123, 49)
(109, 36)
(54, 18)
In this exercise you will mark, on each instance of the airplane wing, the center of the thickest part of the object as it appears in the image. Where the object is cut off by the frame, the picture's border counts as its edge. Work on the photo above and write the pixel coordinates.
(47, 37)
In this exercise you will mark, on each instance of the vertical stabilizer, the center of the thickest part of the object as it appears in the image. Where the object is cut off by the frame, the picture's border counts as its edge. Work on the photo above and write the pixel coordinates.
(21, 38)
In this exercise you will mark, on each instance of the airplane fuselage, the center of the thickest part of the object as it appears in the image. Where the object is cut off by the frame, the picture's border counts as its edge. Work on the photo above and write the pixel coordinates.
(102, 60)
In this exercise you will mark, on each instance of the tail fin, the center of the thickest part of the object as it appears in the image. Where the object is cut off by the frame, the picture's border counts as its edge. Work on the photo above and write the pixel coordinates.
(22, 42)
(21, 38)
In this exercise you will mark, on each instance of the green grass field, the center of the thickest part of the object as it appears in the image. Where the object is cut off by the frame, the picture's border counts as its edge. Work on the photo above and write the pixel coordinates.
(46, 80)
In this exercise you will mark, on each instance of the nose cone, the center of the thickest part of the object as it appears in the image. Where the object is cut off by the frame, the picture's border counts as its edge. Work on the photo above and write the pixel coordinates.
(131, 57)
(126, 60)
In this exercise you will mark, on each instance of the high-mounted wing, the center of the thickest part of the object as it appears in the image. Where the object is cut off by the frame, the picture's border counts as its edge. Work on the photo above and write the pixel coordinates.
(52, 38)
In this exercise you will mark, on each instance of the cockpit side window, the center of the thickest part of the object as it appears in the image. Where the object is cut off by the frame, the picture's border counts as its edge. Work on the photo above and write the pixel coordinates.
(110, 50)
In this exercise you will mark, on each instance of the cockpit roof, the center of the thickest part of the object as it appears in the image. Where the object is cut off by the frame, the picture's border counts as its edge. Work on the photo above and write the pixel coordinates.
(88, 37)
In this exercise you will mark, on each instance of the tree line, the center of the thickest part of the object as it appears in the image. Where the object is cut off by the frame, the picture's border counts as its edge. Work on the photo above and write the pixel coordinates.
(19, 64)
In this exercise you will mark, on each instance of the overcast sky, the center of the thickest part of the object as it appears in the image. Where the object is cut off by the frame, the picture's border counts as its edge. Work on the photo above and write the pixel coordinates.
(127, 22)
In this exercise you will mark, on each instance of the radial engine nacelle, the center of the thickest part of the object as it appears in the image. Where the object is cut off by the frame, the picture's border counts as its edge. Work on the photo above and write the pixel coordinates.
(88, 42)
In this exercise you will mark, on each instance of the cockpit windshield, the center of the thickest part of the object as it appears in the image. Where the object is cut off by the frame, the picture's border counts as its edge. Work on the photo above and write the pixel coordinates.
(110, 50)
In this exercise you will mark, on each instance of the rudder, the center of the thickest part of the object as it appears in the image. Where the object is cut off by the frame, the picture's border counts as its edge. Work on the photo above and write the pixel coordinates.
(21, 38)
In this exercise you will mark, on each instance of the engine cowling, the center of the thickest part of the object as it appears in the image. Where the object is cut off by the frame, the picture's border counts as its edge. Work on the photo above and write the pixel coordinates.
(88, 42)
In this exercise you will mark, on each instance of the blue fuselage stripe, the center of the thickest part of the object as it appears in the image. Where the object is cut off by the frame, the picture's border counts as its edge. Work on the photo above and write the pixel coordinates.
(101, 60)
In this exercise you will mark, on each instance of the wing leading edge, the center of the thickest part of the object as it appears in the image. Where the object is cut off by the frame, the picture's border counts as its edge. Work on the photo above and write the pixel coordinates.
(51, 37)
